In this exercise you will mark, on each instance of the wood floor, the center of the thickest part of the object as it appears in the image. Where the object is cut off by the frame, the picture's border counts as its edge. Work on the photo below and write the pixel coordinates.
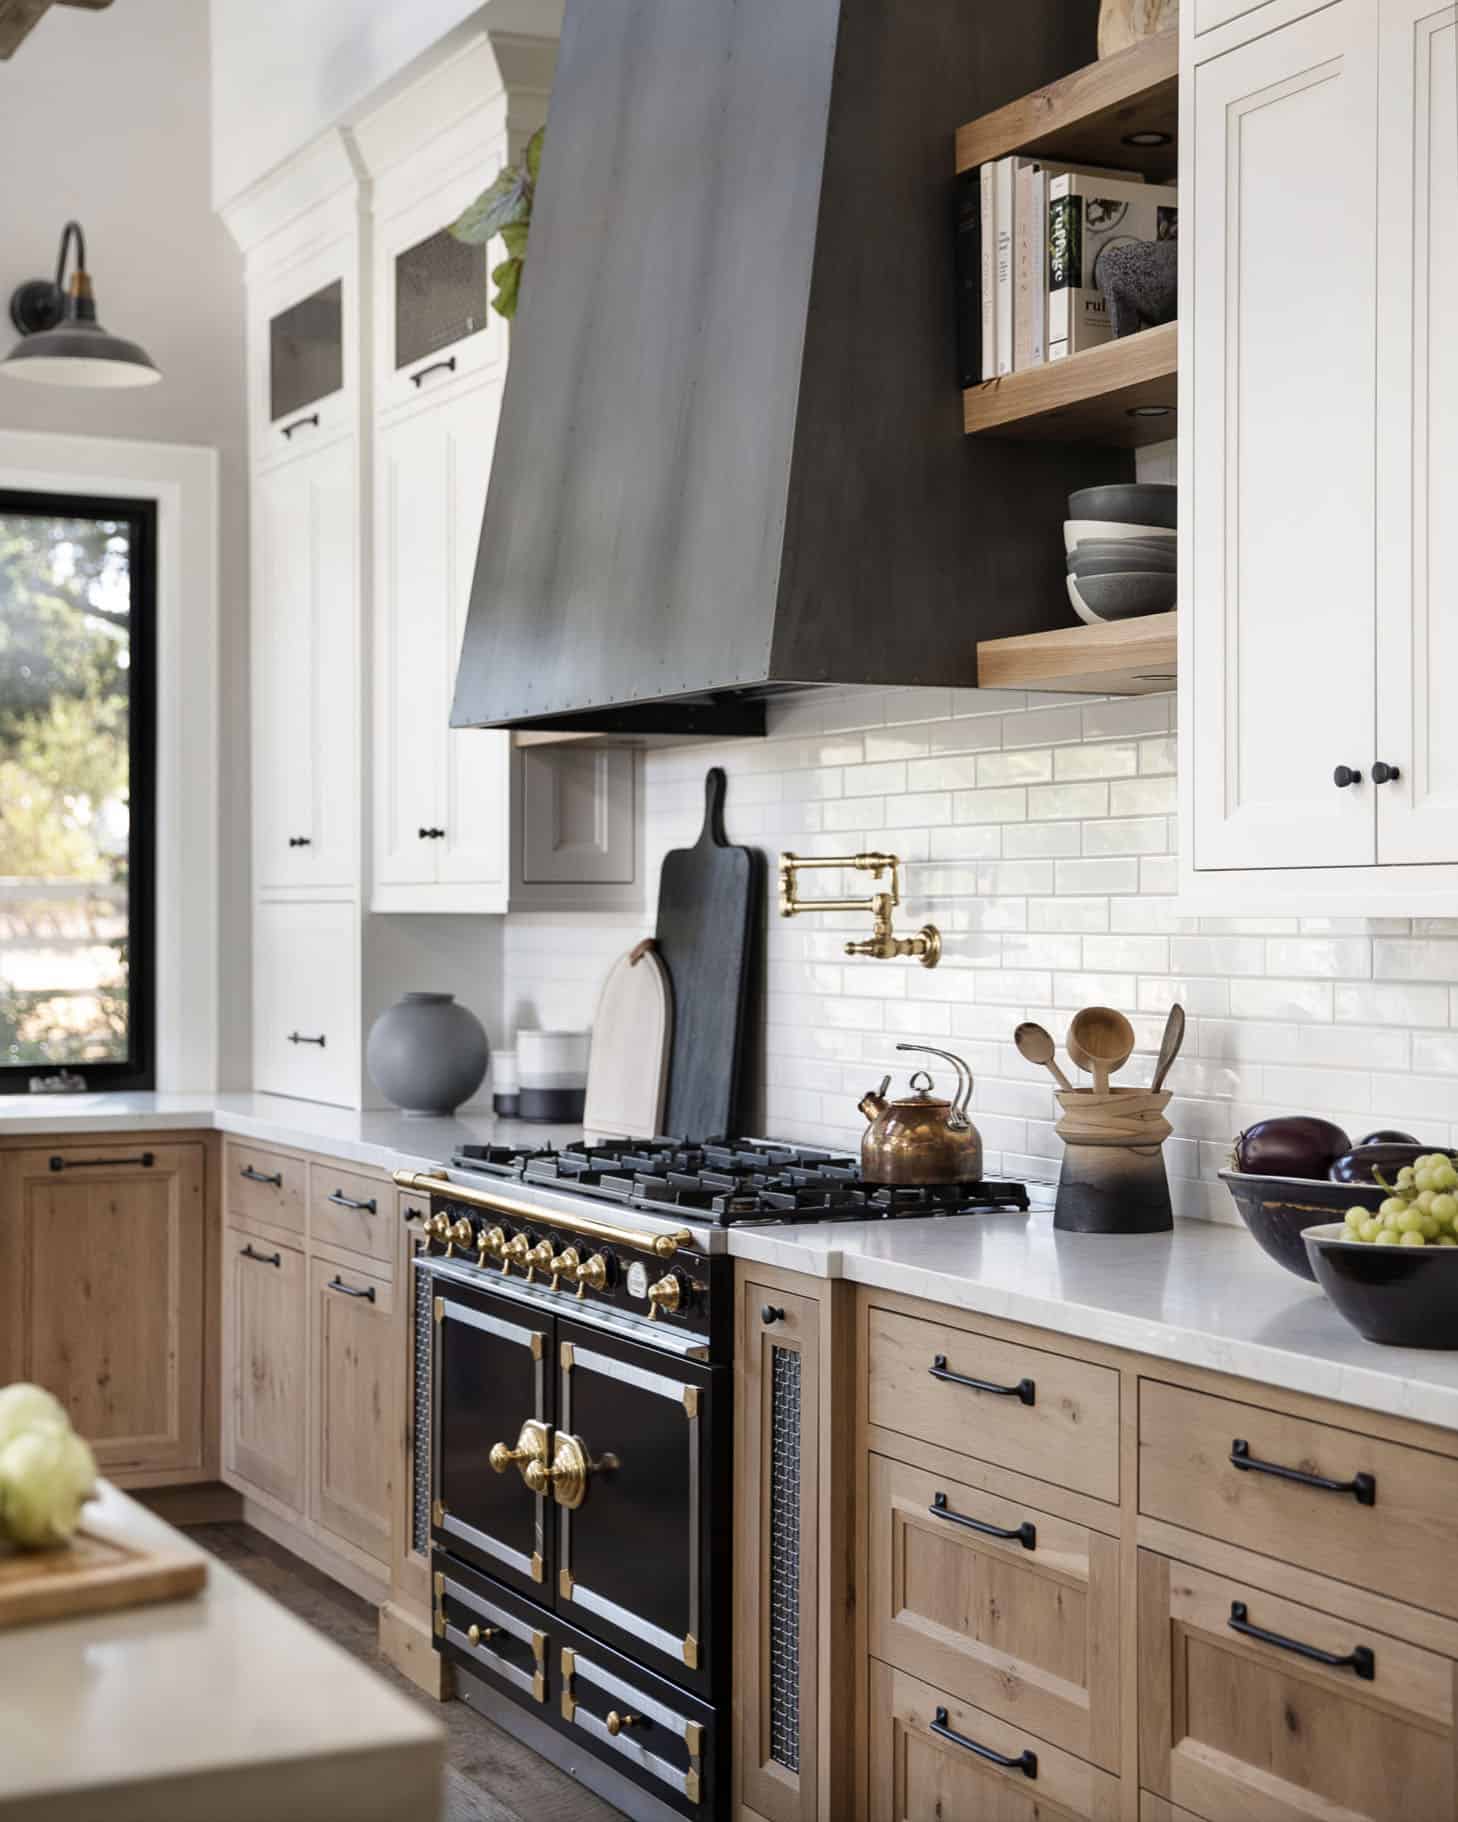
(489, 1777)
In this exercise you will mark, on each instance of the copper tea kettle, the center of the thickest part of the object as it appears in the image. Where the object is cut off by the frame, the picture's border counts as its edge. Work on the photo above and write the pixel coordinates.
(921, 1139)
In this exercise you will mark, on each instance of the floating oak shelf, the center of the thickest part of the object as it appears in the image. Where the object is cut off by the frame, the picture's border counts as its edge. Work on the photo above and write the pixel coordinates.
(1085, 118)
(1122, 658)
(1123, 394)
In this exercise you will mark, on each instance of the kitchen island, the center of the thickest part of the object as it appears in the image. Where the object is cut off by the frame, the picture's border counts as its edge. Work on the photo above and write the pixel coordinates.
(221, 1706)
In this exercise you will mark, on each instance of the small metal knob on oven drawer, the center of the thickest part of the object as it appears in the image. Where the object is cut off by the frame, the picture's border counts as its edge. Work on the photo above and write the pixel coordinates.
(616, 1722)
(477, 1633)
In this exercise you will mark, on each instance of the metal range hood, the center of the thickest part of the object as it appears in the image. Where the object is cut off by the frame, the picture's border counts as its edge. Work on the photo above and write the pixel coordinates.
(730, 459)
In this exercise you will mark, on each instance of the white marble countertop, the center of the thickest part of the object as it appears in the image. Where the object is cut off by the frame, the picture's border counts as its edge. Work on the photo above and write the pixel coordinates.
(223, 1705)
(1204, 1295)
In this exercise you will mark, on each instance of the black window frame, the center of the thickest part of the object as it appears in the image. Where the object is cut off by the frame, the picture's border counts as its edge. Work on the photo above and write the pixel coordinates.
(139, 1069)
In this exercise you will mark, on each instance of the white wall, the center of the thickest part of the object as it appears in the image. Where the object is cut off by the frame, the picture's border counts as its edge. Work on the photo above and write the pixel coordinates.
(318, 62)
(104, 116)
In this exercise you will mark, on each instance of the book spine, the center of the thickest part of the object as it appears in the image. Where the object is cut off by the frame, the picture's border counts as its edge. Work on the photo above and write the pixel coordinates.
(969, 279)
(1023, 267)
(1004, 217)
(1038, 211)
(1065, 262)
(987, 243)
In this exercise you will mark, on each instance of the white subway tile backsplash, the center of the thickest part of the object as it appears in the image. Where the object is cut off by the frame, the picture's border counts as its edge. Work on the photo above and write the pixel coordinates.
(1038, 833)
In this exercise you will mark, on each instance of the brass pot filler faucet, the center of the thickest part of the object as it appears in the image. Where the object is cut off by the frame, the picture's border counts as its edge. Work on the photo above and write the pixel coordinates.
(883, 945)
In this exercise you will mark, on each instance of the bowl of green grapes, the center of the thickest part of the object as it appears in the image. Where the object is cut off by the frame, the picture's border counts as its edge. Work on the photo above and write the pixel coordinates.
(1391, 1266)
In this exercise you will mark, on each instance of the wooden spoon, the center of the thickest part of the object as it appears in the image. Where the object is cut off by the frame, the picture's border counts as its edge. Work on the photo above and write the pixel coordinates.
(1100, 1040)
(1169, 1049)
(1036, 1045)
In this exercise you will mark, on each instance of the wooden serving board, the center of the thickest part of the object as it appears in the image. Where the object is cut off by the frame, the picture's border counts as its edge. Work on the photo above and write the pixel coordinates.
(627, 1071)
(92, 1574)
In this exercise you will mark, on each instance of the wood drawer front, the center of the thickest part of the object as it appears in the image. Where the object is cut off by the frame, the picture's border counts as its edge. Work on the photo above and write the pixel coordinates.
(1029, 1634)
(367, 1227)
(1390, 1546)
(265, 1186)
(1067, 1434)
(1234, 1727)
(920, 1776)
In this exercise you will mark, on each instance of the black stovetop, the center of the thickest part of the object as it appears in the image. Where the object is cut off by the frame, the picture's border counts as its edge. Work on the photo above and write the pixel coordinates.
(731, 1181)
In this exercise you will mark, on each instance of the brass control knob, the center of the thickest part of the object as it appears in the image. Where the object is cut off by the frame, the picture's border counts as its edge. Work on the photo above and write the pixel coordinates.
(438, 1227)
(514, 1252)
(616, 1722)
(489, 1243)
(476, 1633)
(538, 1258)
(459, 1233)
(564, 1265)
(666, 1294)
(591, 1275)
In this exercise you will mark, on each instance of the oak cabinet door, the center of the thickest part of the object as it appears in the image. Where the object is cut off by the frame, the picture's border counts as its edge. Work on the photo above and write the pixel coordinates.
(1417, 432)
(1280, 623)
(355, 1434)
(1240, 1717)
(265, 1315)
(101, 1295)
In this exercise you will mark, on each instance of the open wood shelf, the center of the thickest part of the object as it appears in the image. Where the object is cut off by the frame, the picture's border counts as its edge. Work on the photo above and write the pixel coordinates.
(1104, 395)
(1121, 658)
(1084, 118)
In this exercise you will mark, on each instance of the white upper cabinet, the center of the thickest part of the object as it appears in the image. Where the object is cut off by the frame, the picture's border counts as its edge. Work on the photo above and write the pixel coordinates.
(1319, 429)
(305, 640)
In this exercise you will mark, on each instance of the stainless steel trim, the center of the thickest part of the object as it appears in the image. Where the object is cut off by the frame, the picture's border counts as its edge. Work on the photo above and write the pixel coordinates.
(518, 1678)
(468, 1534)
(493, 1325)
(665, 1642)
(642, 1704)
(629, 1748)
(629, 1374)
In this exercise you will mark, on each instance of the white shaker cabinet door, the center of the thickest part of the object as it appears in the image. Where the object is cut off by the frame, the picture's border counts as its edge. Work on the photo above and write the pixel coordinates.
(1417, 353)
(1280, 407)
(305, 638)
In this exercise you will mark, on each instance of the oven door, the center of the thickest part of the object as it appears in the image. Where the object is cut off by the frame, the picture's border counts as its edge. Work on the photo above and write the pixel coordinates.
(491, 1420)
(639, 1491)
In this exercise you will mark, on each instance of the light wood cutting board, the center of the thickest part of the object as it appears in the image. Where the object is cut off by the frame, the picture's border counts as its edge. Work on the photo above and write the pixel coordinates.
(632, 1033)
(92, 1574)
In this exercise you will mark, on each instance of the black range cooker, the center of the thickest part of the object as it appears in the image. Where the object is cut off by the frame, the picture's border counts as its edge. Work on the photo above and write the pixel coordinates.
(577, 1307)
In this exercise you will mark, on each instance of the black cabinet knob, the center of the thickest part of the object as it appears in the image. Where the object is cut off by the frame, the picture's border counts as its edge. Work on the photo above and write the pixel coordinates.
(301, 841)
(770, 1314)
(1382, 773)
(432, 834)
(1343, 776)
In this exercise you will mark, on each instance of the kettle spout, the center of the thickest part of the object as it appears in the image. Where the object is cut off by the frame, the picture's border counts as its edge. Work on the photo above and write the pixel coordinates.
(873, 1105)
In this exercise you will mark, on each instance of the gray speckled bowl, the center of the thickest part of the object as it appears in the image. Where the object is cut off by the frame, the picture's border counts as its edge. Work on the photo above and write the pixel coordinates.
(1123, 596)
(1129, 503)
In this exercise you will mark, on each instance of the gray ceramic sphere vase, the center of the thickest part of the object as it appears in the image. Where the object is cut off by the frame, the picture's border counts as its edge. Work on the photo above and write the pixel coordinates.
(427, 1054)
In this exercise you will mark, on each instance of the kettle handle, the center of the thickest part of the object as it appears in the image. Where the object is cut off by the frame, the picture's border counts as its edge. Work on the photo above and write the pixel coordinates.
(963, 1099)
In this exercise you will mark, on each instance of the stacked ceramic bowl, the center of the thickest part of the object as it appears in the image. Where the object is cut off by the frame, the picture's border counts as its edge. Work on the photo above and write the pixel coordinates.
(1121, 551)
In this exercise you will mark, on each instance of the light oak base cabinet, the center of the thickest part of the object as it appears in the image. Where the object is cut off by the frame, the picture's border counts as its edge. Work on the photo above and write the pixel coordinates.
(265, 1327)
(355, 1462)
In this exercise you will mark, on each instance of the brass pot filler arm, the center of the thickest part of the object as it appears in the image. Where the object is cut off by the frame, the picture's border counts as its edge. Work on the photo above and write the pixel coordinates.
(883, 945)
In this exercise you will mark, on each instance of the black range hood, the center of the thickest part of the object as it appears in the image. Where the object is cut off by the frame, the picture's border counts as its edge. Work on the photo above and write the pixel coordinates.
(730, 458)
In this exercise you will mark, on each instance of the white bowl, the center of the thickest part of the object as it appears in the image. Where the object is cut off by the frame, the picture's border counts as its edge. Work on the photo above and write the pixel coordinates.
(1075, 530)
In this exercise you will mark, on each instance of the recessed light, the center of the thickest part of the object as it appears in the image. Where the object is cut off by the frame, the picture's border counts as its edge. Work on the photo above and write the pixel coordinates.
(1148, 137)
(1150, 411)
(1159, 677)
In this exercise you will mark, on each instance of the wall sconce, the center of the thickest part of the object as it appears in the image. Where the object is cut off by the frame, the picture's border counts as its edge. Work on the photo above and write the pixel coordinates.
(61, 343)
(883, 944)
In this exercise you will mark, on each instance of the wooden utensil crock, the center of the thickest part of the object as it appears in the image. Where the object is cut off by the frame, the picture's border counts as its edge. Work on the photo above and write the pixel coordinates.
(1113, 1178)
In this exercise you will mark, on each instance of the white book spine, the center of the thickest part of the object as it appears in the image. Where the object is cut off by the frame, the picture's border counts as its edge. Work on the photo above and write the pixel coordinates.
(1004, 213)
(989, 272)
(1039, 337)
(1023, 267)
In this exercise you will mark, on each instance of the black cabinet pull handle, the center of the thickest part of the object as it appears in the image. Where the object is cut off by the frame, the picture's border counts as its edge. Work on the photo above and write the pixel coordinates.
(299, 424)
(1362, 1487)
(1025, 1762)
(769, 1315)
(340, 1200)
(1025, 1391)
(1025, 1534)
(448, 365)
(1382, 773)
(262, 1176)
(1359, 1659)
(338, 1284)
(301, 841)
(247, 1252)
(432, 834)
(145, 1160)
(1345, 775)
(296, 1037)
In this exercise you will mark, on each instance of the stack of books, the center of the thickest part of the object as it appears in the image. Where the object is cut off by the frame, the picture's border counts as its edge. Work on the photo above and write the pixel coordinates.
(1029, 234)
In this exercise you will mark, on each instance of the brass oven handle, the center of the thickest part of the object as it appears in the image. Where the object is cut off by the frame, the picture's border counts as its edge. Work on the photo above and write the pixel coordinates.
(566, 1478)
(530, 1451)
(662, 1246)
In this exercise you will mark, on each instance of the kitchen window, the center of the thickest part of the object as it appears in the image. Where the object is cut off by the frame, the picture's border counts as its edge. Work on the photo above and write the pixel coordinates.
(77, 792)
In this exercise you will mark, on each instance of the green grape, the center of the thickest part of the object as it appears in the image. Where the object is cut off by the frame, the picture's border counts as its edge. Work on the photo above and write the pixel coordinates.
(1424, 1181)
(1429, 1228)
(1388, 1237)
(1404, 1177)
(1392, 1208)
(1355, 1217)
(1445, 1177)
(1425, 1200)
(1447, 1240)
(1369, 1230)
(1412, 1239)
(1410, 1221)
(1444, 1209)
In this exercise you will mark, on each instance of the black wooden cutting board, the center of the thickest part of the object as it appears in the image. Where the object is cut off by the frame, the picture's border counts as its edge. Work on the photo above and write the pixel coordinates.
(709, 904)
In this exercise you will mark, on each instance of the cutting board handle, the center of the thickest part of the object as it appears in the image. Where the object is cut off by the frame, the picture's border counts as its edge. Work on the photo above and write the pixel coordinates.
(712, 834)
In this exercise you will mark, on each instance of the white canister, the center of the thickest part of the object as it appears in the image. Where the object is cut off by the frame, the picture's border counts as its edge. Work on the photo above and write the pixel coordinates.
(552, 1074)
